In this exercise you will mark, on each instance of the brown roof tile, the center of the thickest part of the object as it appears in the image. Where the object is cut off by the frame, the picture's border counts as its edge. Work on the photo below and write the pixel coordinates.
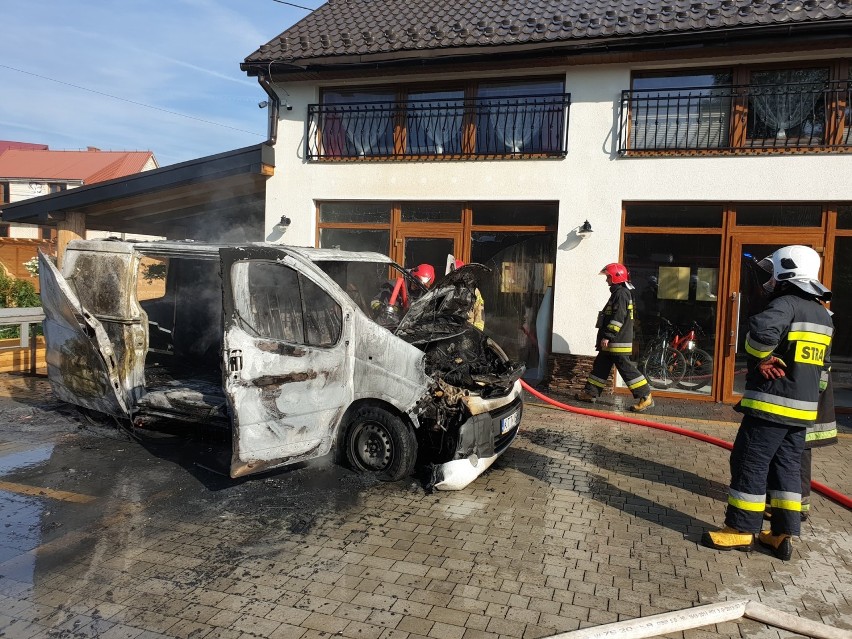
(365, 27)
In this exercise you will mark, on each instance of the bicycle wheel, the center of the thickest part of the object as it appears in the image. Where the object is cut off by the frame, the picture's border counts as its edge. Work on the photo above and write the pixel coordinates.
(699, 370)
(664, 367)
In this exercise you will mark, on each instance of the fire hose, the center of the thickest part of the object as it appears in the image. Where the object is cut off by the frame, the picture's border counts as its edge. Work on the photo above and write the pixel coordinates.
(832, 494)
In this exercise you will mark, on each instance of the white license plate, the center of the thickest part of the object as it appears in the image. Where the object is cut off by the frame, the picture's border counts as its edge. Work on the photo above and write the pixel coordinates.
(508, 423)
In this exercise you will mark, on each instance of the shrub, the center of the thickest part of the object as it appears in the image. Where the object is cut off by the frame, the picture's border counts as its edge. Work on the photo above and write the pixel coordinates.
(15, 293)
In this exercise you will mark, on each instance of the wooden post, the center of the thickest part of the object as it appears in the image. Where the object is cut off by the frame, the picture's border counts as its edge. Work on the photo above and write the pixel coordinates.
(73, 227)
(33, 347)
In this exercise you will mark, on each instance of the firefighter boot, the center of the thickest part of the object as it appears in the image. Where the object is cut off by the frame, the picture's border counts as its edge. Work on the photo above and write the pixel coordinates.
(585, 396)
(780, 545)
(728, 538)
(643, 404)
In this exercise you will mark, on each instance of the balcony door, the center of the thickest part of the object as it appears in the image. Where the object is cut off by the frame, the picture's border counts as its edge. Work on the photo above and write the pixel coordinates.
(744, 299)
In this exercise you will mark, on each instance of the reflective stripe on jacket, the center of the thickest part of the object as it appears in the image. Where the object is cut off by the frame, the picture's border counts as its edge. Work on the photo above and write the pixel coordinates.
(823, 431)
(616, 322)
(797, 329)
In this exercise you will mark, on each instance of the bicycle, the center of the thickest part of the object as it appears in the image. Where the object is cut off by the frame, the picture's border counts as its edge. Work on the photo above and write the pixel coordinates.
(663, 366)
(699, 363)
(675, 359)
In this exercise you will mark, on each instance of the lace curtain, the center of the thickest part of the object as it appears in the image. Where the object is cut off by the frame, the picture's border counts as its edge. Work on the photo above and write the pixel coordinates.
(516, 123)
(784, 99)
(435, 122)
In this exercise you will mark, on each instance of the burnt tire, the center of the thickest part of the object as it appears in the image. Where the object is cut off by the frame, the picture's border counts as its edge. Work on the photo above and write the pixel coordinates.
(96, 418)
(379, 442)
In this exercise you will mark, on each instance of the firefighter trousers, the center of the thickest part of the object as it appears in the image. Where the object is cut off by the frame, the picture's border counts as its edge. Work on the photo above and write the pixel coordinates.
(633, 379)
(766, 461)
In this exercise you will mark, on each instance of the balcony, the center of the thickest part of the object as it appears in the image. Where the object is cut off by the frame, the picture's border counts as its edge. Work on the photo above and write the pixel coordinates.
(811, 116)
(523, 126)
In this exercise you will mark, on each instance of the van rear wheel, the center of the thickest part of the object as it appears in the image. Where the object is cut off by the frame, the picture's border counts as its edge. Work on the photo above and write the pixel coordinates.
(379, 442)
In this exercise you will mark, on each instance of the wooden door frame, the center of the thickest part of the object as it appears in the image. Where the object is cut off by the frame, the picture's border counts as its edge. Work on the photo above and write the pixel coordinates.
(726, 350)
(428, 231)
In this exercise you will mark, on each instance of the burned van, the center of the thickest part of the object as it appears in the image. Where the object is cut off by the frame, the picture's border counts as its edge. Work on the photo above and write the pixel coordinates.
(279, 346)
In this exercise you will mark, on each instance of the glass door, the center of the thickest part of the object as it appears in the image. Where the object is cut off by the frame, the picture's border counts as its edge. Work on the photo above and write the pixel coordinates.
(746, 298)
(425, 246)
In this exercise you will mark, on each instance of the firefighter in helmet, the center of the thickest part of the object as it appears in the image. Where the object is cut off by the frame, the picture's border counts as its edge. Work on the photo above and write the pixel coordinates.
(787, 346)
(614, 342)
(477, 313)
(394, 296)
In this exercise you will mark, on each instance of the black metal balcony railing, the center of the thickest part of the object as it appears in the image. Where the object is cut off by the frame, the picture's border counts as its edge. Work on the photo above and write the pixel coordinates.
(513, 126)
(732, 118)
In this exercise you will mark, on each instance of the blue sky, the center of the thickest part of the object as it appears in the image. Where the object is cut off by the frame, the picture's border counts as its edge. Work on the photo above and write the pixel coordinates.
(179, 56)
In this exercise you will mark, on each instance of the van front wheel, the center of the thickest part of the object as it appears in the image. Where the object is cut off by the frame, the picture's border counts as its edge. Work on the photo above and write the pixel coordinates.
(379, 442)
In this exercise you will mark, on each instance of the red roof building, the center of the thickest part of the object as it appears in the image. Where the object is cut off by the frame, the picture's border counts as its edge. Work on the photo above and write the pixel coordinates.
(31, 170)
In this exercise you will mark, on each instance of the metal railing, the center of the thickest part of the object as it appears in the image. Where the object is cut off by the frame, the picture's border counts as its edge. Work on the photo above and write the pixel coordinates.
(27, 319)
(510, 126)
(756, 116)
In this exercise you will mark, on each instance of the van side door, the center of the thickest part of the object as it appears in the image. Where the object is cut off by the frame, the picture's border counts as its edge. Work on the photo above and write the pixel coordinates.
(287, 359)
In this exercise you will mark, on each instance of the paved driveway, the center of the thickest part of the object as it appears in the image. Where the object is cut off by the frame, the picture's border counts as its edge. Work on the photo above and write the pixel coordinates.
(584, 521)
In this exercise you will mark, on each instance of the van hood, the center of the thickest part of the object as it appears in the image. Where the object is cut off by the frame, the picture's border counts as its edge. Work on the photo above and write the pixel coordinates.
(446, 305)
(457, 352)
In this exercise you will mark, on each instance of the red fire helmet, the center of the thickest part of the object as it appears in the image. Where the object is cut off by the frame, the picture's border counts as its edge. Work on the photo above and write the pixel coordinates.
(425, 273)
(618, 272)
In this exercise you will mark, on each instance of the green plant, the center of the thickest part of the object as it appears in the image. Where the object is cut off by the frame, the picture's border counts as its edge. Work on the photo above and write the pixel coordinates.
(15, 293)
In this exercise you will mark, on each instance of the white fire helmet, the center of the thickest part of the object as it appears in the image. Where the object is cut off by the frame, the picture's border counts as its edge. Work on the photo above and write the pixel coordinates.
(798, 265)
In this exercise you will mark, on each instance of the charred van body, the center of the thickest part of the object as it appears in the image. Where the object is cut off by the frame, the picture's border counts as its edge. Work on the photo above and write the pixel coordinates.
(278, 346)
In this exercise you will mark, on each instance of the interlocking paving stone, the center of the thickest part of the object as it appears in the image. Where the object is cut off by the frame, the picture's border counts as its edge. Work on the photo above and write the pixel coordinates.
(581, 522)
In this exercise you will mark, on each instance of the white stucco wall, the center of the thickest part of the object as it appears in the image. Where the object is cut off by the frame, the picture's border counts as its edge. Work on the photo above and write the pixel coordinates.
(591, 183)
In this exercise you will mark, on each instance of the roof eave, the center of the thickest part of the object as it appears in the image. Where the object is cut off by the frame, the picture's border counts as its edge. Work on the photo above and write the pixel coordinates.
(585, 46)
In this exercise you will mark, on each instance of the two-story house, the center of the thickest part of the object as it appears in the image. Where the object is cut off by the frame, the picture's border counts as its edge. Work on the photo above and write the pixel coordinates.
(702, 134)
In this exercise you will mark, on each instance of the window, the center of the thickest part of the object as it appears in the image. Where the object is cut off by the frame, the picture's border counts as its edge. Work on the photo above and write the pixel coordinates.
(681, 110)
(56, 187)
(5, 197)
(679, 215)
(281, 304)
(787, 104)
(734, 109)
(517, 118)
(434, 122)
(779, 215)
(358, 123)
(151, 278)
(355, 226)
(493, 119)
(4, 230)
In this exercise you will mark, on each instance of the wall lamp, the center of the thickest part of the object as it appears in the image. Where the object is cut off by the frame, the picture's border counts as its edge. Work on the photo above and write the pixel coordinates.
(584, 229)
(283, 224)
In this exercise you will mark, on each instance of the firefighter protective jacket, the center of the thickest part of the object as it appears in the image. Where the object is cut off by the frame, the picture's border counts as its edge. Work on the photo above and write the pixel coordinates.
(615, 321)
(797, 329)
(823, 431)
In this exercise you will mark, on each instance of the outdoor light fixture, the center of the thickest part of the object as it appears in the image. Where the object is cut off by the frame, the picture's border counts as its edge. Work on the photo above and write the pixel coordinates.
(584, 229)
(283, 224)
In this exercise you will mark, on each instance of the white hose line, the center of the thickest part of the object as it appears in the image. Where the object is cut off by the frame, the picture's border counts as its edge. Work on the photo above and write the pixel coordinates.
(794, 623)
(664, 623)
(680, 620)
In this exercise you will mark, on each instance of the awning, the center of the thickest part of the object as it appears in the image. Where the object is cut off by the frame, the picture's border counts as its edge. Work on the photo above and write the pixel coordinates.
(214, 198)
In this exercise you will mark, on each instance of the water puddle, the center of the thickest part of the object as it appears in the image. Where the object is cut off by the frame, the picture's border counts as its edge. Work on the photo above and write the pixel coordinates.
(20, 524)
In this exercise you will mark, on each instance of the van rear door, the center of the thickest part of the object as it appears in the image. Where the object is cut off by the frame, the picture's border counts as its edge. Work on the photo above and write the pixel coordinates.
(81, 361)
(287, 357)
